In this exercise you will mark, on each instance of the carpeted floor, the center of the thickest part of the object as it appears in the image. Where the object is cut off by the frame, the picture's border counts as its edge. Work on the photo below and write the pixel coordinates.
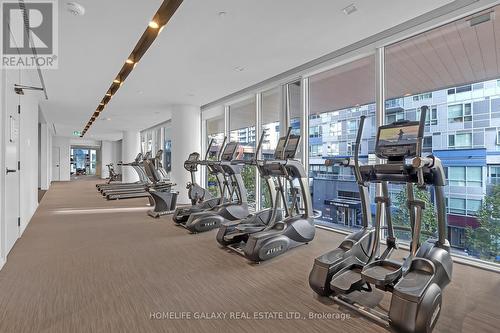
(88, 265)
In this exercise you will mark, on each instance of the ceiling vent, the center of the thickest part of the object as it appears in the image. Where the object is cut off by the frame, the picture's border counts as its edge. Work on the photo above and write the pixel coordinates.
(482, 18)
(75, 8)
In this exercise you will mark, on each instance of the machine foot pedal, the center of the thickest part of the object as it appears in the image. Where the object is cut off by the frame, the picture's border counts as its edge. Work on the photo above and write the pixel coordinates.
(347, 280)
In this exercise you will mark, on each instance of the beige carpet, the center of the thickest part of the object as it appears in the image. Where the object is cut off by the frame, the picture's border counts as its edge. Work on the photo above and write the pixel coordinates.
(88, 265)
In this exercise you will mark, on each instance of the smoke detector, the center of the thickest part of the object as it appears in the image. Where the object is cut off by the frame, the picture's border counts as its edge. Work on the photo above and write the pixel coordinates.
(75, 8)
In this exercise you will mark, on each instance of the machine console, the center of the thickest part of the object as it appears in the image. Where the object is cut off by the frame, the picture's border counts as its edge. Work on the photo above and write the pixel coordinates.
(280, 147)
(229, 152)
(398, 141)
(193, 157)
(292, 146)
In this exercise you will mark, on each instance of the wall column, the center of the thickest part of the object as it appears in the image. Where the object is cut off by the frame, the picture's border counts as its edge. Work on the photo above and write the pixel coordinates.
(131, 146)
(106, 158)
(186, 138)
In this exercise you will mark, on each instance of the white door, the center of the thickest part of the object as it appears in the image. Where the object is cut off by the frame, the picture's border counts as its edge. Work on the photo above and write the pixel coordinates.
(11, 140)
(56, 164)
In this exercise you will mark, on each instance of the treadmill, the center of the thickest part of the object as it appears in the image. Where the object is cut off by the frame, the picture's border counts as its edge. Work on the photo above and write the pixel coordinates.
(134, 164)
(141, 190)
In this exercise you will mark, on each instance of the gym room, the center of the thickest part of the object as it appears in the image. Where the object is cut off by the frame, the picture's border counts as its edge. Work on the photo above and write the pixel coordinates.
(250, 166)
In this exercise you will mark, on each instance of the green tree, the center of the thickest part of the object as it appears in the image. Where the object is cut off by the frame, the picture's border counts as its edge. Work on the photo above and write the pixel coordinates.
(401, 216)
(213, 189)
(485, 239)
(248, 173)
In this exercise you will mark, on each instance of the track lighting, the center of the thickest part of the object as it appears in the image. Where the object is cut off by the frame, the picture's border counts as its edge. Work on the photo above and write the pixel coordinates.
(160, 19)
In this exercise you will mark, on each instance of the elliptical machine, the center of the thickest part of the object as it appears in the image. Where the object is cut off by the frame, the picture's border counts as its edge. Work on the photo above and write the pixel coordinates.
(201, 198)
(234, 234)
(416, 283)
(259, 243)
(236, 206)
(160, 190)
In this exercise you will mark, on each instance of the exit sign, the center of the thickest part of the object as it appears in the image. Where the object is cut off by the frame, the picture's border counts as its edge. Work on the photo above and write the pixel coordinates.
(77, 133)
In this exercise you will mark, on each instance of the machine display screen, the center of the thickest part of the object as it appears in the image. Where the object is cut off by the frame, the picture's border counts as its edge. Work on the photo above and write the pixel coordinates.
(398, 136)
(229, 151)
(279, 148)
(291, 147)
(293, 143)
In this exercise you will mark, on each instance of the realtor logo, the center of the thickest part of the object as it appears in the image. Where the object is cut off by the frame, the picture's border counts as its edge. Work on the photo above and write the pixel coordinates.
(29, 34)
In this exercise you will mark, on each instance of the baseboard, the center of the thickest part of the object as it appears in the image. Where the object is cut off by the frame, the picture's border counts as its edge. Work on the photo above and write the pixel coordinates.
(2, 262)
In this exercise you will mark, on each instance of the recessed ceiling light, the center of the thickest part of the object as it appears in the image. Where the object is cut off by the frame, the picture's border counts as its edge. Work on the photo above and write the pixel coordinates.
(116, 81)
(239, 68)
(349, 9)
(129, 61)
(108, 94)
(153, 24)
(407, 94)
(222, 14)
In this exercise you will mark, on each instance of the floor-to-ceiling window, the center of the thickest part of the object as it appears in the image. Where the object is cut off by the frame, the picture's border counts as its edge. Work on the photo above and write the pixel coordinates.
(215, 131)
(454, 71)
(293, 108)
(242, 129)
(337, 99)
(270, 123)
(167, 149)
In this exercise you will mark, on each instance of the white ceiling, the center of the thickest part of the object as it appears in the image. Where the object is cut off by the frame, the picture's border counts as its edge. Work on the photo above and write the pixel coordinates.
(193, 61)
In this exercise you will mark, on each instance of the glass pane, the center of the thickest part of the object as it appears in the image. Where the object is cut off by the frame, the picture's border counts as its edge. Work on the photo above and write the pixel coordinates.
(294, 110)
(271, 112)
(463, 140)
(473, 206)
(337, 99)
(474, 174)
(242, 130)
(457, 173)
(465, 116)
(214, 130)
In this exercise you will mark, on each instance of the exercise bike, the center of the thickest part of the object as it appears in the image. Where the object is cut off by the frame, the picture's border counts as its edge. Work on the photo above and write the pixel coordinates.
(201, 198)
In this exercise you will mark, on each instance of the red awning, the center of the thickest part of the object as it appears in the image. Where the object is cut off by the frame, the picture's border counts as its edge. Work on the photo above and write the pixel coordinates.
(462, 221)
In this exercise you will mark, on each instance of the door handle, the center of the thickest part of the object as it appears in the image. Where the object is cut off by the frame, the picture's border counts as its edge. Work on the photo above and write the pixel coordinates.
(7, 170)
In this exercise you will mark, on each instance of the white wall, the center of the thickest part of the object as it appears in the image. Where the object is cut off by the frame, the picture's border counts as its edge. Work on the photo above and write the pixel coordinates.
(106, 157)
(20, 200)
(45, 156)
(87, 143)
(2, 176)
(64, 147)
(29, 158)
(131, 146)
(186, 138)
(116, 154)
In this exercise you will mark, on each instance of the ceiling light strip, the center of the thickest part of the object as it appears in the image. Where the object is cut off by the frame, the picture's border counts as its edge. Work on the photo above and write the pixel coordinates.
(155, 26)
